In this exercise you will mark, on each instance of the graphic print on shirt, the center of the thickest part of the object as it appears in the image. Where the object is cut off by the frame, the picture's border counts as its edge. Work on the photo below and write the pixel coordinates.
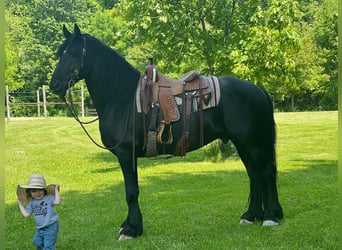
(40, 209)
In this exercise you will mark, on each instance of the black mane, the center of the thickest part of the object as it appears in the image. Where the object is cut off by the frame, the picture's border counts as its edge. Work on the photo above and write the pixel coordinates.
(114, 78)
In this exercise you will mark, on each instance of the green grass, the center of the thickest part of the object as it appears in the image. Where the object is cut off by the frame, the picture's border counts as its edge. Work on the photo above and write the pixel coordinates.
(186, 203)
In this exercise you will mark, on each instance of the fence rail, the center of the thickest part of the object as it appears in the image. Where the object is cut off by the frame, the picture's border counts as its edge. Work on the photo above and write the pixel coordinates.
(44, 103)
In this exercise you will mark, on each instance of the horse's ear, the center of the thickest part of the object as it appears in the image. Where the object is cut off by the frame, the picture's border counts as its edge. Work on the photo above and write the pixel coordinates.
(77, 30)
(66, 32)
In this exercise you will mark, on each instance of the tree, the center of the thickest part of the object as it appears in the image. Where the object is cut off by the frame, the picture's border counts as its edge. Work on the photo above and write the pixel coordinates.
(276, 55)
(183, 34)
(325, 35)
(287, 47)
(17, 31)
(34, 34)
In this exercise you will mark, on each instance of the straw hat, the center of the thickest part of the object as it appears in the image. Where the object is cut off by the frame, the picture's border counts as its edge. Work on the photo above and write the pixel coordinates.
(36, 181)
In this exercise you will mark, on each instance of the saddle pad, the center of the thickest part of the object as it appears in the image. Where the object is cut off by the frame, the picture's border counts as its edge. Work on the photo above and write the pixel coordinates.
(215, 96)
(213, 102)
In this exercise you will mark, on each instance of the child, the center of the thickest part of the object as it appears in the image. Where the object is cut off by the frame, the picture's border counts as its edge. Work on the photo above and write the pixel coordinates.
(41, 200)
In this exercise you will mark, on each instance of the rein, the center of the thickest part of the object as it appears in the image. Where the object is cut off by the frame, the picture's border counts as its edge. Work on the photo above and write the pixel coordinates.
(70, 105)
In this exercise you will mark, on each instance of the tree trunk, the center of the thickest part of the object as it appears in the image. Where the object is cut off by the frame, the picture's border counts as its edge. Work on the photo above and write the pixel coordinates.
(292, 103)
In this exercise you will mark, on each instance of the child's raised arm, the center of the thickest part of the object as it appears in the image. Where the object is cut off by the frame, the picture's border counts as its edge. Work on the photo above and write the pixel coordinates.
(22, 209)
(57, 195)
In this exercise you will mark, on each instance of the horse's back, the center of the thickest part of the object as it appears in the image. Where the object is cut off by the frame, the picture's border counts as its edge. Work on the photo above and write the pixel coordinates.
(246, 107)
(233, 88)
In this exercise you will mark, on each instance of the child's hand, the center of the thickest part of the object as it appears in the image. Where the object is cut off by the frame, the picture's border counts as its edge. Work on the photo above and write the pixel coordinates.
(20, 202)
(57, 195)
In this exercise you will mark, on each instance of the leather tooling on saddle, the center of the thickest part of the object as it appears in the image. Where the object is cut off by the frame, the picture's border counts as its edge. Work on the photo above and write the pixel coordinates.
(192, 93)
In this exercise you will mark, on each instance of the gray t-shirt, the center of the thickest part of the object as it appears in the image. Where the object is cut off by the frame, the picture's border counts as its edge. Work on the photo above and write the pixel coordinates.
(43, 211)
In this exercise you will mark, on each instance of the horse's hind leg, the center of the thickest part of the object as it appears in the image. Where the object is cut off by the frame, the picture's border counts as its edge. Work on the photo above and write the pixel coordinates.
(272, 208)
(264, 204)
(255, 210)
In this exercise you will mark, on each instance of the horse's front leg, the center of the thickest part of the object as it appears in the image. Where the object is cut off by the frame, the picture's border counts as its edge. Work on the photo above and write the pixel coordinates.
(133, 226)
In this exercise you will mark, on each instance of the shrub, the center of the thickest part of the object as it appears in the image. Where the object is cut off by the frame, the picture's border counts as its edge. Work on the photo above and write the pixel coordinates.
(218, 151)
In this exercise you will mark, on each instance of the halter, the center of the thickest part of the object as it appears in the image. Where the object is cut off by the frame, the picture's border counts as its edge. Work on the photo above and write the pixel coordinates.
(84, 51)
(77, 71)
(72, 110)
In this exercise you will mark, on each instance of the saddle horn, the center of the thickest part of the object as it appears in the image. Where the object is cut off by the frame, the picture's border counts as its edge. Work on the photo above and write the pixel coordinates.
(151, 60)
(151, 70)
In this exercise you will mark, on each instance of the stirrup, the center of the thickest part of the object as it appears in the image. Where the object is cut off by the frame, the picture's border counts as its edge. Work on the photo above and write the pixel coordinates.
(161, 131)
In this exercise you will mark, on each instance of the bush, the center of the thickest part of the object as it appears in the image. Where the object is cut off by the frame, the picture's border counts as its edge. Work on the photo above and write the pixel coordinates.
(217, 151)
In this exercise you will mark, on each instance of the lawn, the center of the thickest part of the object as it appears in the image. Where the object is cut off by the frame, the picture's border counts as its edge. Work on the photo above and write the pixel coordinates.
(186, 203)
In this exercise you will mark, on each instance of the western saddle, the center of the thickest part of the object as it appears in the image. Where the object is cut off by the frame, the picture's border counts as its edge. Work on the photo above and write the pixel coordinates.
(158, 91)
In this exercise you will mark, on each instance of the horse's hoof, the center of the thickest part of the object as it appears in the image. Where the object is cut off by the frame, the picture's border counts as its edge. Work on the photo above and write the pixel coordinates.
(270, 223)
(246, 222)
(124, 237)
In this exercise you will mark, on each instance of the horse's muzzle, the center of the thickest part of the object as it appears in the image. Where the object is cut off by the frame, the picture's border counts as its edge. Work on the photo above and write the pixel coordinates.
(57, 88)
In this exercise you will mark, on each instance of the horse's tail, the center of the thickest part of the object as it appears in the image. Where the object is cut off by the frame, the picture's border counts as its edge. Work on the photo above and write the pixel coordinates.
(272, 125)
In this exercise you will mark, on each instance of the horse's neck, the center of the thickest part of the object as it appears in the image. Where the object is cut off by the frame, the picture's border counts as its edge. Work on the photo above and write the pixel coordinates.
(112, 82)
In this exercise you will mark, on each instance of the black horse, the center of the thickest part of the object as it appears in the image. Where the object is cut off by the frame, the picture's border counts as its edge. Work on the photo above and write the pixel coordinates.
(244, 116)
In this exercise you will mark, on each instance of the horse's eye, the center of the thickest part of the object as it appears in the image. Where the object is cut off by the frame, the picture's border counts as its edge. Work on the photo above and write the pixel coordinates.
(65, 51)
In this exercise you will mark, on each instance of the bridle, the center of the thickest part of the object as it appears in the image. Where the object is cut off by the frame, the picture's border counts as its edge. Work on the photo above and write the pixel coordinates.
(71, 106)
(71, 83)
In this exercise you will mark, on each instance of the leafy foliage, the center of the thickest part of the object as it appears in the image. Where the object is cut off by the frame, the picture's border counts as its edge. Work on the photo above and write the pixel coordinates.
(217, 151)
(287, 47)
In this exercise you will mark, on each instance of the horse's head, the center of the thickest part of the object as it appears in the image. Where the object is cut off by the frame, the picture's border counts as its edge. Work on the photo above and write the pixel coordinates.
(71, 62)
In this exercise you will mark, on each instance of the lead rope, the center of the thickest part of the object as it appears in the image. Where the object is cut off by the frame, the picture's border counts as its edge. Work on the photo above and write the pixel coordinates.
(74, 114)
(71, 106)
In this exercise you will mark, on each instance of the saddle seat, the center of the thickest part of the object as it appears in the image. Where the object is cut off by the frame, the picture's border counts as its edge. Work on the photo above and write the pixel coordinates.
(190, 81)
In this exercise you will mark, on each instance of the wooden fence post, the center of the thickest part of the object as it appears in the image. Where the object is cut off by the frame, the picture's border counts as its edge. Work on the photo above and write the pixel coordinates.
(44, 101)
(38, 103)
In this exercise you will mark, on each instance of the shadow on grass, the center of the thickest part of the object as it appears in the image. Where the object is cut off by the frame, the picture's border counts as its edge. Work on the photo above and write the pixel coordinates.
(203, 208)
(314, 163)
(147, 162)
